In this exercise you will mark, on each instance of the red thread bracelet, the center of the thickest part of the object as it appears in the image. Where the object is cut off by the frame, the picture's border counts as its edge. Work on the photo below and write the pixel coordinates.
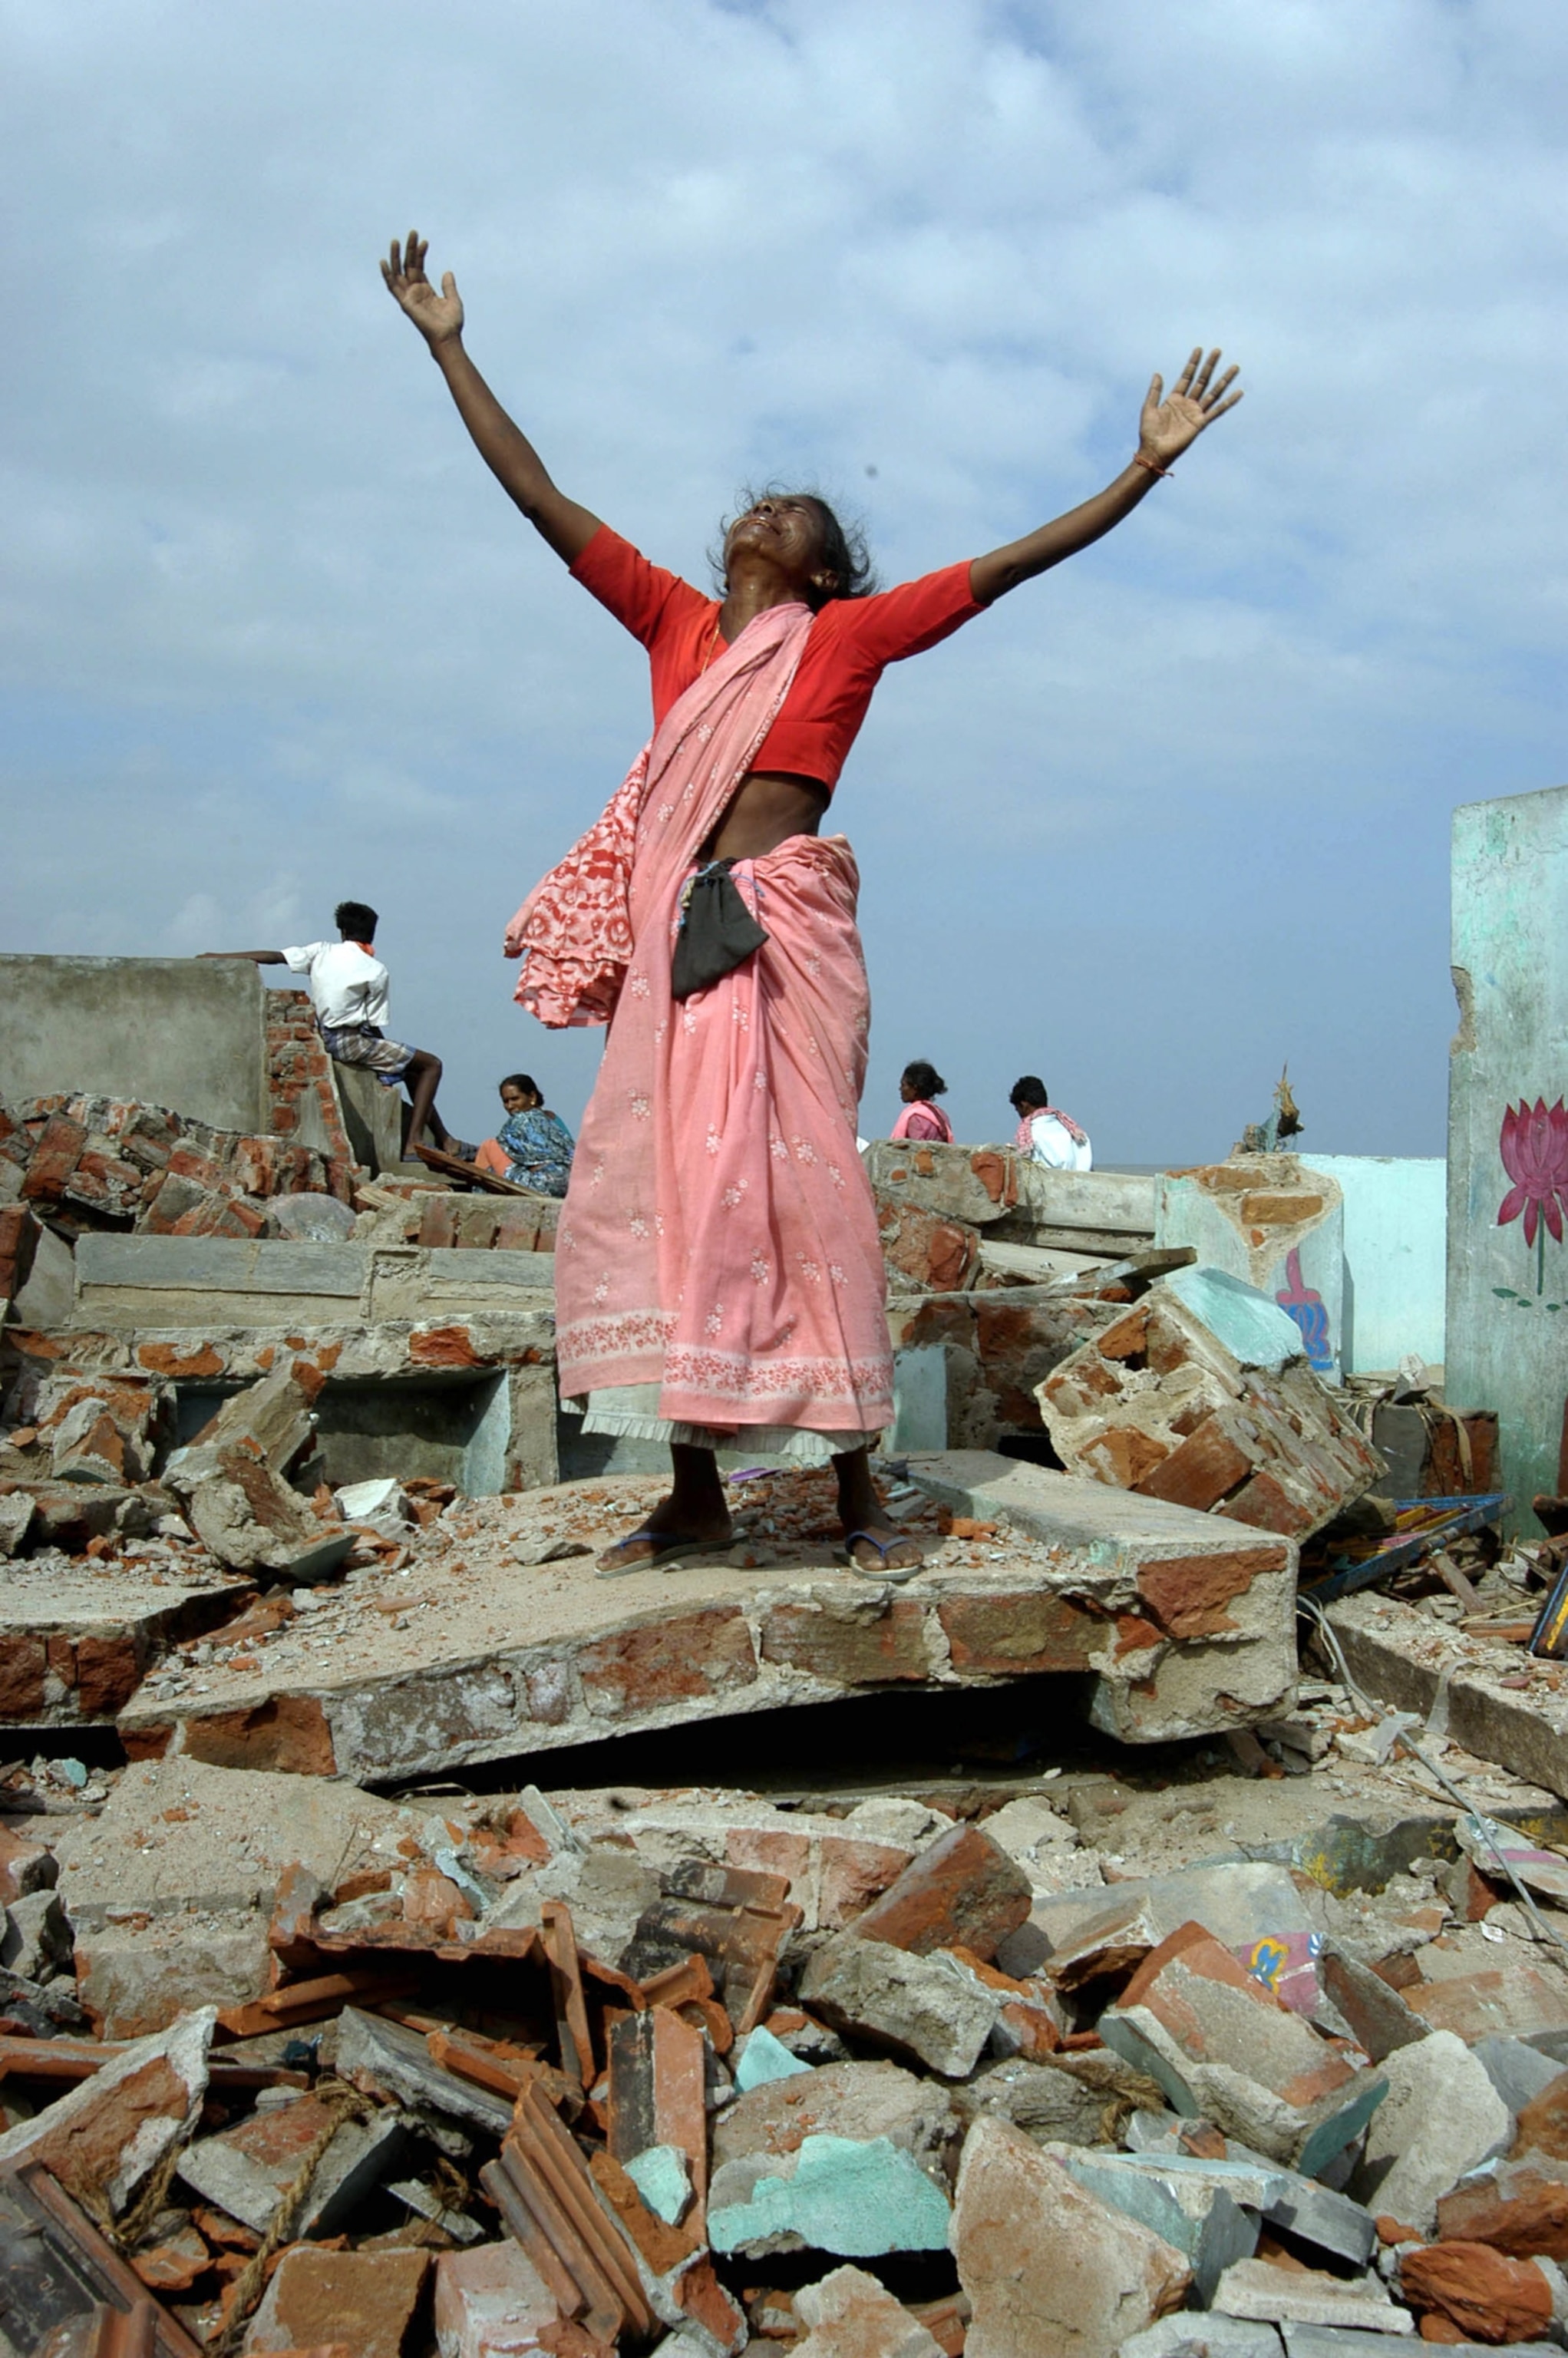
(1139, 460)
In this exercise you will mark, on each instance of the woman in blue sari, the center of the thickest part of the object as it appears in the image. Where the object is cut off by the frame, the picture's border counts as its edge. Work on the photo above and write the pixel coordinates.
(533, 1148)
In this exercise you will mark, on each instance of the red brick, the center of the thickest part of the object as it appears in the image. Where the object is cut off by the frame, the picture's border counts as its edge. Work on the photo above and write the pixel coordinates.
(1267, 1508)
(169, 1360)
(53, 1158)
(370, 2301)
(919, 1243)
(1525, 2212)
(438, 1224)
(1207, 1466)
(443, 1347)
(1125, 1455)
(668, 1661)
(108, 1672)
(285, 1732)
(1187, 1594)
(996, 1174)
(854, 1649)
(1127, 1339)
(962, 1892)
(1031, 1630)
(1478, 2293)
(18, 1242)
(23, 1663)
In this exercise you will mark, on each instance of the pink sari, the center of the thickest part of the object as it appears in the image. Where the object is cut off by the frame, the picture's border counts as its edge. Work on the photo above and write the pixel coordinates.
(941, 1134)
(718, 1248)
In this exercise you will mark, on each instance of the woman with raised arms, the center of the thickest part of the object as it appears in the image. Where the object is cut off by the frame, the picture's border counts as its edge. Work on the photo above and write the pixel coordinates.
(719, 1279)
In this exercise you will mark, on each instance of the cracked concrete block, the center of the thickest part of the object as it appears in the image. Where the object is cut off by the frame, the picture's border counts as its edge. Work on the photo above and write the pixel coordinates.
(1441, 2117)
(850, 2314)
(37, 1940)
(1257, 2290)
(491, 2300)
(1046, 2265)
(1084, 2099)
(925, 2007)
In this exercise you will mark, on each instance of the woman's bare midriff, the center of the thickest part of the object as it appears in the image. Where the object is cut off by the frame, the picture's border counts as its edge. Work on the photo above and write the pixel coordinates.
(768, 807)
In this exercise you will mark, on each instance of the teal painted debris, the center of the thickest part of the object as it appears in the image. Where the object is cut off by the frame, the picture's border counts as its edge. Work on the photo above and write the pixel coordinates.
(765, 2057)
(845, 2196)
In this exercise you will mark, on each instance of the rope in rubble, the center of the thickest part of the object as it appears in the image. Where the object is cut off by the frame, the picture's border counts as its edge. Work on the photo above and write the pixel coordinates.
(1545, 1931)
(342, 2103)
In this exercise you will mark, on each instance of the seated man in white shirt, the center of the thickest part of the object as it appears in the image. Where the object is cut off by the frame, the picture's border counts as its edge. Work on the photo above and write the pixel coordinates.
(1044, 1133)
(349, 986)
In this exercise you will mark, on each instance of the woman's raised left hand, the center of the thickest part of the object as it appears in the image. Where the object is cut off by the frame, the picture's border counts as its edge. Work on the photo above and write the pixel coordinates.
(1170, 423)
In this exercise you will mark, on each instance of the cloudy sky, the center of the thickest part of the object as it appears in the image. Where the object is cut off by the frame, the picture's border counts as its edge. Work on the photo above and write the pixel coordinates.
(1161, 821)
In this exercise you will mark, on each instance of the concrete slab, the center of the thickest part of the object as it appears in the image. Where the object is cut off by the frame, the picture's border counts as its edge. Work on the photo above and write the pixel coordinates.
(1495, 1701)
(172, 1281)
(75, 1644)
(1173, 1624)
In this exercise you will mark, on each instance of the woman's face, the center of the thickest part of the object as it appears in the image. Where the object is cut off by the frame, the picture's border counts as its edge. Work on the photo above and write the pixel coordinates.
(908, 1091)
(517, 1100)
(788, 530)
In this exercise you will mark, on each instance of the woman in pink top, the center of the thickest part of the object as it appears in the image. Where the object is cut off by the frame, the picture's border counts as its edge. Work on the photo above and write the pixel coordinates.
(922, 1117)
(719, 1277)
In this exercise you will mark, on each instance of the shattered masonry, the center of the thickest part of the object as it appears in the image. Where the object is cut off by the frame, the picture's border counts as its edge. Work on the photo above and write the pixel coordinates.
(1193, 2014)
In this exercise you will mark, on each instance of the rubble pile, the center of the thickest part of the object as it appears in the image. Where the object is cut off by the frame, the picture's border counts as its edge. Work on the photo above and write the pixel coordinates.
(1099, 2066)
(91, 1162)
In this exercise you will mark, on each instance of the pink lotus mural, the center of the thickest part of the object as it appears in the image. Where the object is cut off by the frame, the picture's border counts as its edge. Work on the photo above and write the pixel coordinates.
(1533, 1145)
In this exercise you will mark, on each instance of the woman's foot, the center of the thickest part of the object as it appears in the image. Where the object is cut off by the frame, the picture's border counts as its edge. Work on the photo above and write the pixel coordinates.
(871, 1541)
(694, 1517)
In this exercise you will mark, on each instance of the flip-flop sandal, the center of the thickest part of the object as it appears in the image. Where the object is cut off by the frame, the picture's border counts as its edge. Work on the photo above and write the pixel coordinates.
(669, 1549)
(885, 1548)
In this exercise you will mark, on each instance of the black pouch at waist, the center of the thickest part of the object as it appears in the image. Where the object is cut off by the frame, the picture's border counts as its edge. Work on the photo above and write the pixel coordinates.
(718, 931)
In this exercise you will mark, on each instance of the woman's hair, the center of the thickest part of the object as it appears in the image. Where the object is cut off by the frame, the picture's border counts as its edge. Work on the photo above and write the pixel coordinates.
(844, 549)
(1029, 1091)
(925, 1078)
(355, 920)
(523, 1081)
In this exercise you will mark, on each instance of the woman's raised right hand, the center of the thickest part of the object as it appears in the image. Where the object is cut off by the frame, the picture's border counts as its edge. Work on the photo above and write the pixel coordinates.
(436, 317)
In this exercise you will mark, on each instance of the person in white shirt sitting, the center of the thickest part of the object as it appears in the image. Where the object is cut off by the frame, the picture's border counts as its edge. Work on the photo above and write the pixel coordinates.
(348, 988)
(1044, 1133)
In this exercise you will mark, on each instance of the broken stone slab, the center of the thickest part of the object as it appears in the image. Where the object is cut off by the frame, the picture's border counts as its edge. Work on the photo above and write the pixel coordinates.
(105, 2140)
(1441, 2117)
(385, 2057)
(1402, 1656)
(858, 2196)
(925, 2007)
(274, 1419)
(850, 2314)
(1184, 2335)
(1257, 2290)
(1519, 2071)
(1299, 2207)
(17, 1512)
(25, 1866)
(247, 1515)
(1046, 2265)
(1223, 2047)
(833, 1868)
(249, 2170)
(382, 1505)
(490, 2299)
(75, 1647)
(1344, 2341)
(1159, 1404)
(962, 1891)
(373, 2301)
(1200, 2213)
(1163, 1575)
(35, 1937)
(863, 2101)
(1517, 1999)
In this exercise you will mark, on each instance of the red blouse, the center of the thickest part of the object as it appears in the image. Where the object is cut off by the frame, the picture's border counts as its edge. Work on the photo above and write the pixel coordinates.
(848, 644)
